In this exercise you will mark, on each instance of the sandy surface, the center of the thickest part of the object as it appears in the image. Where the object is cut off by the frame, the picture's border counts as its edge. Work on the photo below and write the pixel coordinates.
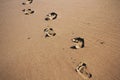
(39, 58)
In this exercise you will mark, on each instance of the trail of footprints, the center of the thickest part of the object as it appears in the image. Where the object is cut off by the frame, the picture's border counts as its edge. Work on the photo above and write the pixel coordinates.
(78, 42)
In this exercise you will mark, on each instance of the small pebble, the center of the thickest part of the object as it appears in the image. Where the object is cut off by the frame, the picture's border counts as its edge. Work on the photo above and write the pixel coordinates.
(101, 42)
(28, 38)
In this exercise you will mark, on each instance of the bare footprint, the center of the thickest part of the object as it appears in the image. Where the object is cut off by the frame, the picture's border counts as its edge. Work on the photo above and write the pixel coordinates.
(27, 2)
(78, 42)
(51, 16)
(49, 32)
(83, 71)
(28, 11)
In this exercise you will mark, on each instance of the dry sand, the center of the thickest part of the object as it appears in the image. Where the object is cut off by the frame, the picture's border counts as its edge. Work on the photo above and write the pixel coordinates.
(26, 55)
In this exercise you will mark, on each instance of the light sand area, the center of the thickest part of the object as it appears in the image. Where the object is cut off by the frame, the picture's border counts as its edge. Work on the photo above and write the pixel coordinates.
(25, 54)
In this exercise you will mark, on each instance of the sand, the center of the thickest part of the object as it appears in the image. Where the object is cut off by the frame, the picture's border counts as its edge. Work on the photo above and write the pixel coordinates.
(25, 54)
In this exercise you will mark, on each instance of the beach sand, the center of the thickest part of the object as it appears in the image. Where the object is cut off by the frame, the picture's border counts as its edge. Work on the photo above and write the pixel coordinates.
(25, 54)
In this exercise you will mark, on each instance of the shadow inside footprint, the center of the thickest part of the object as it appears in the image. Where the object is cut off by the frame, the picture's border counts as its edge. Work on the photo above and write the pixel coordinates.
(90, 76)
(32, 12)
(73, 47)
(26, 14)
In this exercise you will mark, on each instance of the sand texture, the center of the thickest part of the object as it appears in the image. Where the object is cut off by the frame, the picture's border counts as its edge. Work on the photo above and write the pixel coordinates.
(25, 53)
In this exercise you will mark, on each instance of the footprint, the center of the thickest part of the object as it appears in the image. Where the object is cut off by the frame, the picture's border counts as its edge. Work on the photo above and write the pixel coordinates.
(49, 32)
(27, 2)
(79, 42)
(28, 11)
(83, 71)
(51, 16)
